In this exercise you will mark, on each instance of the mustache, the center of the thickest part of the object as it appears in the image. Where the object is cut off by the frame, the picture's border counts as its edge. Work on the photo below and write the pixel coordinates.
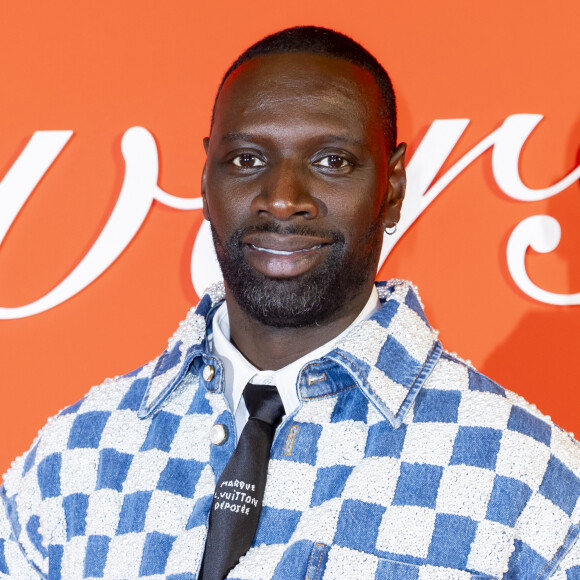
(288, 229)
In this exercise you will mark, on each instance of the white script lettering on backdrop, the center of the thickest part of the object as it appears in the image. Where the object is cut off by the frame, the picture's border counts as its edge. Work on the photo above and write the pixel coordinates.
(140, 189)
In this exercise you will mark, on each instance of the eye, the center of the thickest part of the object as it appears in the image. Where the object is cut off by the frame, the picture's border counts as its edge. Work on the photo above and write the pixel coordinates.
(247, 161)
(333, 162)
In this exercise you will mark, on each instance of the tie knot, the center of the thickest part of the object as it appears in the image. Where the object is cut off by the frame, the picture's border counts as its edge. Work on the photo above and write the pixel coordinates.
(264, 403)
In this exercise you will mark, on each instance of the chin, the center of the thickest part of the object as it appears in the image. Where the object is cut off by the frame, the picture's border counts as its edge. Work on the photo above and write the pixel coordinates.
(311, 298)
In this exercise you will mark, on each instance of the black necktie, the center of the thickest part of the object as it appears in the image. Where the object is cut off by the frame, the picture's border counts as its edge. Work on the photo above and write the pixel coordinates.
(239, 491)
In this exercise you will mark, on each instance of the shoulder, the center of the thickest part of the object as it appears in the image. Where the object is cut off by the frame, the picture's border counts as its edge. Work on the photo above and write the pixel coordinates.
(64, 459)
(475, 400)
(80, 424)
(526, 469)
(112, 412)
(472, 400)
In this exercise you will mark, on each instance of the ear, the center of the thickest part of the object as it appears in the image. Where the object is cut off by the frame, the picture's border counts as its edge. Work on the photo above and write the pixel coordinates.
(205, 209)
(396, 185)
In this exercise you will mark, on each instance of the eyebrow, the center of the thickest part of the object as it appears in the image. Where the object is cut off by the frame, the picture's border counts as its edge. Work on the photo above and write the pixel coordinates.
(232, 136)
(237, 136)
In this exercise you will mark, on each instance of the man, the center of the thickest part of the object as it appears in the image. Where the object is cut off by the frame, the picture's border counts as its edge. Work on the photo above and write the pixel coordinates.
(389, 457)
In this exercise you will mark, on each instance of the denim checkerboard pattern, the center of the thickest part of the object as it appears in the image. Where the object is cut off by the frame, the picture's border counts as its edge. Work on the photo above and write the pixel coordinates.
(401, 462)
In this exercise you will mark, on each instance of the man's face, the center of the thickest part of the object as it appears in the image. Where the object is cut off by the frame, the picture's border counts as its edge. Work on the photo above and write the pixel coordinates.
(296, 185)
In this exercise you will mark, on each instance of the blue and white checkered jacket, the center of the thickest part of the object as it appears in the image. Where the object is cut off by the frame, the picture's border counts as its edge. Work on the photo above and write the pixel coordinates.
(401, 462)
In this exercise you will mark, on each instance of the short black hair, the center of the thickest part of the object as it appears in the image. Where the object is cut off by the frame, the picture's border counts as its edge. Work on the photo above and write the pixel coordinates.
(327, 42)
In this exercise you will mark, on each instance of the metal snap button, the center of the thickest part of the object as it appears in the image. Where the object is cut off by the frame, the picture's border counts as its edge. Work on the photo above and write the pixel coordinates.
(208, 373)
(218, 434)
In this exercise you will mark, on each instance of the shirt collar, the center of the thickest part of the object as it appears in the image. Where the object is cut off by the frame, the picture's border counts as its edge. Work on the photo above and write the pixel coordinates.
(238, 371)
(389, 356)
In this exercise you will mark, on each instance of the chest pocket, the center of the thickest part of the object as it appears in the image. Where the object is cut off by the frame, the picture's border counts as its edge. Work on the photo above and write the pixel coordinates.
(326, 563)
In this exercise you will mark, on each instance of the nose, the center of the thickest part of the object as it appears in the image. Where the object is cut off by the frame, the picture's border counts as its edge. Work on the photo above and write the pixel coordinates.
(285, 193)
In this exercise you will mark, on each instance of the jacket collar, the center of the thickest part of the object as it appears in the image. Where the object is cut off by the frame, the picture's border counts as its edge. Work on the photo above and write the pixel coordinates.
(389, 356)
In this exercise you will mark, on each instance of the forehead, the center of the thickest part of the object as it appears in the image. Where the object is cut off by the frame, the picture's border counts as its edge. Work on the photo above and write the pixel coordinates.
(299, 85)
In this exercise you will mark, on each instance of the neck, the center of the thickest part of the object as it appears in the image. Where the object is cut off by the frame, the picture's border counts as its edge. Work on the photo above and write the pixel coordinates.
(272, 348)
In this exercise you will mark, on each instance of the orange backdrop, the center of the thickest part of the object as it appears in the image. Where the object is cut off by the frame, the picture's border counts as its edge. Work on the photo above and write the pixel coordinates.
(98, 69)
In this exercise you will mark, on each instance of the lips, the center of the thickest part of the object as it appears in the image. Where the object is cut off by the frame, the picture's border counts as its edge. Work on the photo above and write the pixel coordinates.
(284, 255)
(284, 243)
(284, 252)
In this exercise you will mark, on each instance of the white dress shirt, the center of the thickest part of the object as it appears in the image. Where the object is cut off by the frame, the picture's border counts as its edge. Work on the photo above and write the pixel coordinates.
(238, 371)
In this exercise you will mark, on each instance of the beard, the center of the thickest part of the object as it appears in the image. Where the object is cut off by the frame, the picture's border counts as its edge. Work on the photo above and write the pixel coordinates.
(304, 300)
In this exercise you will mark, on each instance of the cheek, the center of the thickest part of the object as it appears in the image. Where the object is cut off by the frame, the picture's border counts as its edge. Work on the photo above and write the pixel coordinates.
(356, 210)
(225, 203)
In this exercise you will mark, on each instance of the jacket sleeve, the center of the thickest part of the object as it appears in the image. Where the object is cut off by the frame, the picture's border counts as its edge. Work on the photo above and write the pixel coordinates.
(13, 562)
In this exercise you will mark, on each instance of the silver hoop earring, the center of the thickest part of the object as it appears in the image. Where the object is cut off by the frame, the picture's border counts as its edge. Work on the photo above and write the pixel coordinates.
(390, 231)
